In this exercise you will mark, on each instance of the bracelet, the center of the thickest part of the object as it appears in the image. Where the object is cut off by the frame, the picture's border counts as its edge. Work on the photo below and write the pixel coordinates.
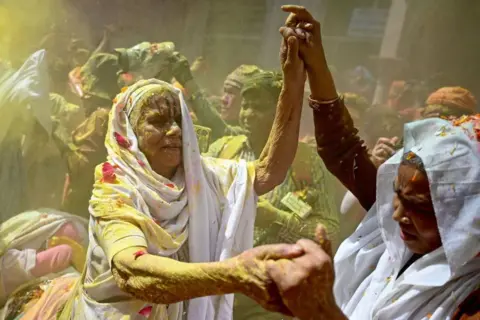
(318, 105)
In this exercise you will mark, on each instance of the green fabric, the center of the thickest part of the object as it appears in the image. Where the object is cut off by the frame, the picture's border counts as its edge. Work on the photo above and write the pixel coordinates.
(438, 110)
(65, 118)
(240, 75)
(99, 76)
(269, 81)
(146, 59)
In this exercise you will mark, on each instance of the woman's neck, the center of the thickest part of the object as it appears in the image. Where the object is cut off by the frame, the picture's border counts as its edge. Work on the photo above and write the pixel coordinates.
(166, 172)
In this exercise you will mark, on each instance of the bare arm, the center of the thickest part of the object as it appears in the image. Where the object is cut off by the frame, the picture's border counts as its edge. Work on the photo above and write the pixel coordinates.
(279, 152)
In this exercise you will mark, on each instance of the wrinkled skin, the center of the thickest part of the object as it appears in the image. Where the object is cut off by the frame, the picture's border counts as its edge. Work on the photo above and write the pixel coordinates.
(414, 211)
(159, 133)
(306, 283)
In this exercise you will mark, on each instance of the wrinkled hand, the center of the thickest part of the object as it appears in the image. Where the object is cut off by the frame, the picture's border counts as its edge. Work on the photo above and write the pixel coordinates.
(257, 284)
(306, 283)
(301, 24)
(294, 73)
(267, 214)
(384, 149)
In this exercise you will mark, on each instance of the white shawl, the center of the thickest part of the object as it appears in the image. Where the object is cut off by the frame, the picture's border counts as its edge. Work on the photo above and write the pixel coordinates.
(368, 262)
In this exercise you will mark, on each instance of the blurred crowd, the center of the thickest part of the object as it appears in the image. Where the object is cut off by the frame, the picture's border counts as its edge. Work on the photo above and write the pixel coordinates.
(61, 140)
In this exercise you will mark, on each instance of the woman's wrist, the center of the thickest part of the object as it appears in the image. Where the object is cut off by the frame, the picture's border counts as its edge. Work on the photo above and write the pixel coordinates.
(228, 275)
(322, 86)
(292, 91)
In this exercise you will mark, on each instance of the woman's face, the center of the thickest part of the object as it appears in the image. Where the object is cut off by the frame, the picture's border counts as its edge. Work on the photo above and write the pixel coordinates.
(256, 113)
(413, 210)
(231, 102)
(159, 133)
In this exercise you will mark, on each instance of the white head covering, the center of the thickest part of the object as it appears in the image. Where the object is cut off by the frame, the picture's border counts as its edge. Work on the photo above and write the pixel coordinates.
(211, 203)
(437, 282)
(27, 88)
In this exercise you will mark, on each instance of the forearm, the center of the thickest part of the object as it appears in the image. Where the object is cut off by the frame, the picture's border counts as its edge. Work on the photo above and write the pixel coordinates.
(164, 281)
(280, 149)
(343, 152)
(321, 82)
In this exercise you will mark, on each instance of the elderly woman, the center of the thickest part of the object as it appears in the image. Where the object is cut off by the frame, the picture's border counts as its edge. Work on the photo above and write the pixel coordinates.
(415, 255)
(167, 224)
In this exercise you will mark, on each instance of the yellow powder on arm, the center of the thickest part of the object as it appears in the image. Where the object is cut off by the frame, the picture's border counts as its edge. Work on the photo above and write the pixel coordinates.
(163, 280)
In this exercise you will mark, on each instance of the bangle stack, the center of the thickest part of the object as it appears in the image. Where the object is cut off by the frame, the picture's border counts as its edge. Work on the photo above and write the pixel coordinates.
(319, 105)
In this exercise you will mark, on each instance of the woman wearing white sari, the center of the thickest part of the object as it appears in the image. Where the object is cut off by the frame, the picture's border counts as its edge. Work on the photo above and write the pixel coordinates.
(166, 222)
(415, 254)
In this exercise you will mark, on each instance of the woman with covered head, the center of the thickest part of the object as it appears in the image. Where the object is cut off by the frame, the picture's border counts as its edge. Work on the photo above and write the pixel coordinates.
(450, 102)
(169, 226)
(415, 255)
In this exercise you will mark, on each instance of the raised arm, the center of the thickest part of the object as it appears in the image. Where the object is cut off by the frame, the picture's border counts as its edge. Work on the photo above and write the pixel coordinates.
(279, 152)
(206, 113)
(338, 144)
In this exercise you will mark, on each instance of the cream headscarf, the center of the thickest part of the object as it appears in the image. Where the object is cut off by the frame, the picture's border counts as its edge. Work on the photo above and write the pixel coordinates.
(367, 264)
(209, 202)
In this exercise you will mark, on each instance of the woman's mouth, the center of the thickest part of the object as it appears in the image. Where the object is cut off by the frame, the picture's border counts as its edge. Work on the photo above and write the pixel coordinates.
(406, 235)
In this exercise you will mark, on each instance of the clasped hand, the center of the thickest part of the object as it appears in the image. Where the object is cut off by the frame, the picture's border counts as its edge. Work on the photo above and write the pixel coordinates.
(296, 280)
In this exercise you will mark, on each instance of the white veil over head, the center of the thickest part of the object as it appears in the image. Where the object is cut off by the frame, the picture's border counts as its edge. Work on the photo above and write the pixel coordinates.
(367, 264)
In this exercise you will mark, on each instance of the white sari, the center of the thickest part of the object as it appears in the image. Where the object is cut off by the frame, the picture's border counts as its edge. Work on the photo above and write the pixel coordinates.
(368, 263)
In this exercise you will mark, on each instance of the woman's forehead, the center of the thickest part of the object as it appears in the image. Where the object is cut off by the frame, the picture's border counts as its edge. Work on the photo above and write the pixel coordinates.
(412, 180)
(160, 101)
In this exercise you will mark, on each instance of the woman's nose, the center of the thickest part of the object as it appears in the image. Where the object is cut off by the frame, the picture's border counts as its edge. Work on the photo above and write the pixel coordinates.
(174, 130)
(225, 100)
(398, 213)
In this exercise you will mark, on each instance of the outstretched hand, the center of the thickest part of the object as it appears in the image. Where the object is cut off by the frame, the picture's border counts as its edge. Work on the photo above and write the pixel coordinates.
(306, 283)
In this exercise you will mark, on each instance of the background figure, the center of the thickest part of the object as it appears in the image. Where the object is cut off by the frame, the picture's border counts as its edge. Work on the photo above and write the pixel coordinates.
(35, 247)
(232, 88)
(450, 102)
(25, 127)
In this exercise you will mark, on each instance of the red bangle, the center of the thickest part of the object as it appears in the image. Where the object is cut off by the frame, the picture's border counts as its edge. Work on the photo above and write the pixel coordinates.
(318, 105)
